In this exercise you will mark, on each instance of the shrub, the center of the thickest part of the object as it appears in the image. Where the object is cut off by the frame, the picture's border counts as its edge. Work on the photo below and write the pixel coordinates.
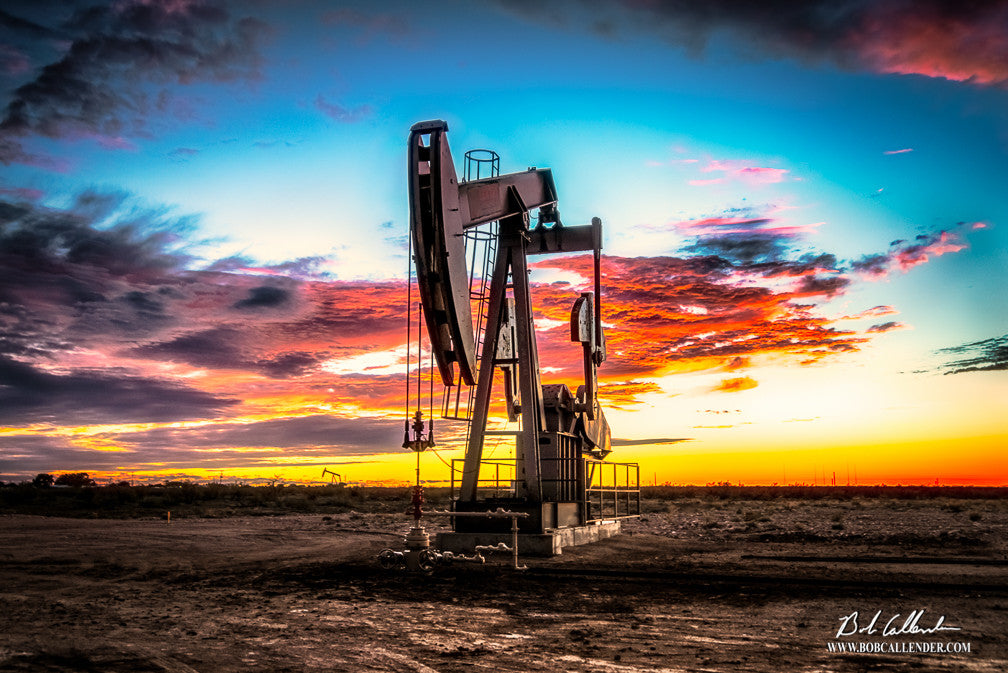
(43, 480)
(75, 479)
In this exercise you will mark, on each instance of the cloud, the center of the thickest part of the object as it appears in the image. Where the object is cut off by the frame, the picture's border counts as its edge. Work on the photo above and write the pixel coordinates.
(616, 441)
(23, 193)
(673, 312)
(313, 434)
(977, 356)
(625, 393)
(13, 61)
(875, 265)
(742, 247)
(736, 363)
(112, 283)
(182, 153)
(905, 255)
(337, 112)
(264, 296)
(62, 277)
(885, 327)
(873, 312)
(29, 395)
(740, 171)
(966, 42)
(265, 445)
(735, 385)
(741, 289)
(119, 68)
(735, 225)
(902, 151)
(108, 316)
(229, 347)
(821, 286)
(369, 25)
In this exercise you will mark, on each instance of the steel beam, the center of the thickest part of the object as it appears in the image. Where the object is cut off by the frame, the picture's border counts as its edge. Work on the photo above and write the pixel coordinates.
(485, 375)
(490, 199)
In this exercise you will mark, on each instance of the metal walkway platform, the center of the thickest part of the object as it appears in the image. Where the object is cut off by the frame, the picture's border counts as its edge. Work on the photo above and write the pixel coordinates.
(550, 543)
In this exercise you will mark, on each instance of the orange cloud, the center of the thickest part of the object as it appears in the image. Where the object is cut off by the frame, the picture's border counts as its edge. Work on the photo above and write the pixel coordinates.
(735, 385)
(682, 313)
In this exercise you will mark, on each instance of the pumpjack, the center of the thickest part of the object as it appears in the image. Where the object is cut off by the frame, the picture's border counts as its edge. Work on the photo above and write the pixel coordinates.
(559, 473)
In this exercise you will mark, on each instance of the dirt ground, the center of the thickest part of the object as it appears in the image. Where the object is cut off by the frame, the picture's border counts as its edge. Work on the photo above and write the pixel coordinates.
(697, 586)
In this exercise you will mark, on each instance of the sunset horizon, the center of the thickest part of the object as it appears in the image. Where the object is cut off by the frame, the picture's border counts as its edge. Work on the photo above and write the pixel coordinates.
(204, 236)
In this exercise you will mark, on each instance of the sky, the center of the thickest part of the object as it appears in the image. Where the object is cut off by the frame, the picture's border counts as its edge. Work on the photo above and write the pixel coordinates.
(203, 230)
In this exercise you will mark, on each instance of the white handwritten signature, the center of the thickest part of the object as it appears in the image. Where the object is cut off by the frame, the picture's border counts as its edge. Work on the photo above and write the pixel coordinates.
(849, 625)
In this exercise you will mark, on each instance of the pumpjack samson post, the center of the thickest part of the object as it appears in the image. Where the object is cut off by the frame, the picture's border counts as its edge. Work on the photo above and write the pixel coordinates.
(558, 478)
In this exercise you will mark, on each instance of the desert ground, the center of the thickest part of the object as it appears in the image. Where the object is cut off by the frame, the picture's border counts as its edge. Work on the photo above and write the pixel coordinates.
(693, 585)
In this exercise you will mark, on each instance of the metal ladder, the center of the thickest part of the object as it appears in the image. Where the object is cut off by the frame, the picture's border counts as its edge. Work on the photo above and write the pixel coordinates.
(481, 248)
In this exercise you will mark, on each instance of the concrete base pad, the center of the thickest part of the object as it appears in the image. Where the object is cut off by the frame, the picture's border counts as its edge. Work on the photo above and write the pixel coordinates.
(550, 543)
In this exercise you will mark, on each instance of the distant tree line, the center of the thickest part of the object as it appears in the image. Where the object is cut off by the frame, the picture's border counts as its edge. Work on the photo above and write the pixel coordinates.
(76, 479)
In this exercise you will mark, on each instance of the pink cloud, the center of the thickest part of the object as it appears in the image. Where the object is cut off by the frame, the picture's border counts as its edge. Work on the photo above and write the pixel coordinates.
(24, 193)
(905, 255)
(970, 47)
(873, 312)
(719, 226)
(734, 169)
(13, 61)
(886, 327)
(918, 254)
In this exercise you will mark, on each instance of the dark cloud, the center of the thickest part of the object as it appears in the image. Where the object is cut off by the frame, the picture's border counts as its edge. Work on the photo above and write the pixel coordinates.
(977, 356)
(16, 25)
(268, 445)
(24, 456)
(745, 248)
(229, 347)
(264, 296)
(132, 243)
(317, 433)
(99, 267)
(29, 395)
(874, 265)
(964, 41)
(825, 286)
(215, 348)
(118, 70)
